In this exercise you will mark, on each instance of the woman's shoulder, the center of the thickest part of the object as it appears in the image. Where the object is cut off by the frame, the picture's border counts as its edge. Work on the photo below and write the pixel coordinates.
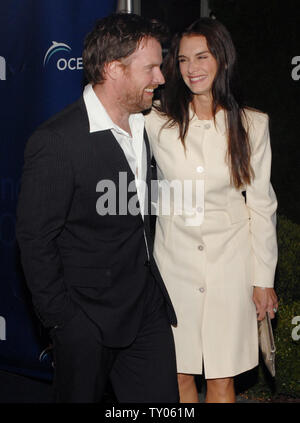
(257, 127)
(155, 115)
(255, 117)
(155, 120)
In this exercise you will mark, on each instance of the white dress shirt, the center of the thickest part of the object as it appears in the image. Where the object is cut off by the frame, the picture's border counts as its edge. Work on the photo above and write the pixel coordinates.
(133, 147)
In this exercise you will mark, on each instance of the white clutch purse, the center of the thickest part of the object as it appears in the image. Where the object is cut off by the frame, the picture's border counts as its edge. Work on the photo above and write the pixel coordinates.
(266, 343)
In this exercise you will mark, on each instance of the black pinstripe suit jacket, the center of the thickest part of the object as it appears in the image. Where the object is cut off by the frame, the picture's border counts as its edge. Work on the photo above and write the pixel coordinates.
(72, 256)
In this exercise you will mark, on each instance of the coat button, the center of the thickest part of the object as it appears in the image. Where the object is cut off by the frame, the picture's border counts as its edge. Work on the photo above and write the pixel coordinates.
(147, 263)
(200, 247)
(199, 209)
(201, 289)
(199, 169)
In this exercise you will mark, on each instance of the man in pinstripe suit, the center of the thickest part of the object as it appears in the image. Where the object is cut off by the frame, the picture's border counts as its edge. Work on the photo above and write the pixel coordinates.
(93, 279)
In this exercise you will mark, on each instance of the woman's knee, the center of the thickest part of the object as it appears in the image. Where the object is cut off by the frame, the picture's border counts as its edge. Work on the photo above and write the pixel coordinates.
(185, 380)
(221, 385)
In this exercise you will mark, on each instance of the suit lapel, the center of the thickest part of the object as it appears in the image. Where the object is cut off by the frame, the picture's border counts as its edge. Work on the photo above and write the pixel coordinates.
(148, 182)
(106, 139)
(118, 157)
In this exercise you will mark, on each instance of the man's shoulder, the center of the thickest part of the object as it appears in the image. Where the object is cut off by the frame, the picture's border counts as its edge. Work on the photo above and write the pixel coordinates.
(61, 130)
(71, 119)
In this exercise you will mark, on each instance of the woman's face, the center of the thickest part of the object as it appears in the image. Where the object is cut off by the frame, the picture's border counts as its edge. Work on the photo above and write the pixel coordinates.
(197, 65)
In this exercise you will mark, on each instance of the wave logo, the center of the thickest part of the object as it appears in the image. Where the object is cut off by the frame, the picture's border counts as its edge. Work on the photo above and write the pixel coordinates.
(74, 63)
(2, 69)
(56, 47)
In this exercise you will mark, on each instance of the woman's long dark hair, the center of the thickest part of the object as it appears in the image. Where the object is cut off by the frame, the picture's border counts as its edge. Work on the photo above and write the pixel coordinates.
(176, 96)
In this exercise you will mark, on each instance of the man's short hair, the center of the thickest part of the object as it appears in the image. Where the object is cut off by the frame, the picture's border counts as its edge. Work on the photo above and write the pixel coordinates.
(115, 37)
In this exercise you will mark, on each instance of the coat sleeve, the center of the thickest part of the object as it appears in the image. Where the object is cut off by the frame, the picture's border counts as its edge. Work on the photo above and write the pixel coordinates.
(262, 204)
(44, 200)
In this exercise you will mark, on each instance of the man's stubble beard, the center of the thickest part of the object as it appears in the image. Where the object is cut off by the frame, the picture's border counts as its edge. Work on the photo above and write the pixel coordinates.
(135, 103)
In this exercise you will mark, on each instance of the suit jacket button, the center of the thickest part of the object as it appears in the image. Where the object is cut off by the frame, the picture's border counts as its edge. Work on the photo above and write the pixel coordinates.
(147, 263)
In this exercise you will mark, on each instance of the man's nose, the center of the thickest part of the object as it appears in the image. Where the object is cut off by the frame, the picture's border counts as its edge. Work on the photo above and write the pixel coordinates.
(159, 78)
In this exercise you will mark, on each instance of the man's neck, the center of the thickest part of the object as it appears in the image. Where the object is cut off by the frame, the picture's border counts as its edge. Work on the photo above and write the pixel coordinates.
(113, 107)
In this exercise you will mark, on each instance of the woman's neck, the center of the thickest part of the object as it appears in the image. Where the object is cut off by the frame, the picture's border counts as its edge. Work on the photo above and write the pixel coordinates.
(202, 106)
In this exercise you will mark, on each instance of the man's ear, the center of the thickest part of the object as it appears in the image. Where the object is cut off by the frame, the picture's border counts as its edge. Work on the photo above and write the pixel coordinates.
(114, 69)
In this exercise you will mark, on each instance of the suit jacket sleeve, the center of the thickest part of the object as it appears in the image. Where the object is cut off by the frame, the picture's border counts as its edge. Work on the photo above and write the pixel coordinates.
(262, 204)
(44, 201)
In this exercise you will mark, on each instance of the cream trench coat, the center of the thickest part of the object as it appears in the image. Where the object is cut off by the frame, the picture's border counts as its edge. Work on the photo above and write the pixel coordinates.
(211, 252)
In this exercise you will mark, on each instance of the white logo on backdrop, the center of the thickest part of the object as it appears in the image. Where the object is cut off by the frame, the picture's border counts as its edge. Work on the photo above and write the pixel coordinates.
(2, 329)
(73, 63)
(296, 70)
(296, 330)
(2, 68)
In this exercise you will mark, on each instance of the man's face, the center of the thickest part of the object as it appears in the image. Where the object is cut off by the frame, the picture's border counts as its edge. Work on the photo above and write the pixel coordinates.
(141, 76)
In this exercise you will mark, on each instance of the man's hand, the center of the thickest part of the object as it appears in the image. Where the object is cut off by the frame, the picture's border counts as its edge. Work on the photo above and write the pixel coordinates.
(265, 299)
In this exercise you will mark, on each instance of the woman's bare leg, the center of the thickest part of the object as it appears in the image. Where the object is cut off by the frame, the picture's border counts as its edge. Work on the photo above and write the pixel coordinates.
(187, 388)
(220, 390)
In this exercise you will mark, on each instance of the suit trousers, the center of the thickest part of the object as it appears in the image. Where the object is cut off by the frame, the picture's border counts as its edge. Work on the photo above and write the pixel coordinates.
(145, 371)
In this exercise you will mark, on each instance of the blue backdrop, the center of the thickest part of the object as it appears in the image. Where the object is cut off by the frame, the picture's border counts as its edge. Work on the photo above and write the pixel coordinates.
(40, 73)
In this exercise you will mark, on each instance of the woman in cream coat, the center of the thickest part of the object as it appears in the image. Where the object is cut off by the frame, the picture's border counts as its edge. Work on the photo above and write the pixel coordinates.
(216, 243)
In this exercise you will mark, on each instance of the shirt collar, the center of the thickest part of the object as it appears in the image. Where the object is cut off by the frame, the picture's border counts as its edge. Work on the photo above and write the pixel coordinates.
(99, 119)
